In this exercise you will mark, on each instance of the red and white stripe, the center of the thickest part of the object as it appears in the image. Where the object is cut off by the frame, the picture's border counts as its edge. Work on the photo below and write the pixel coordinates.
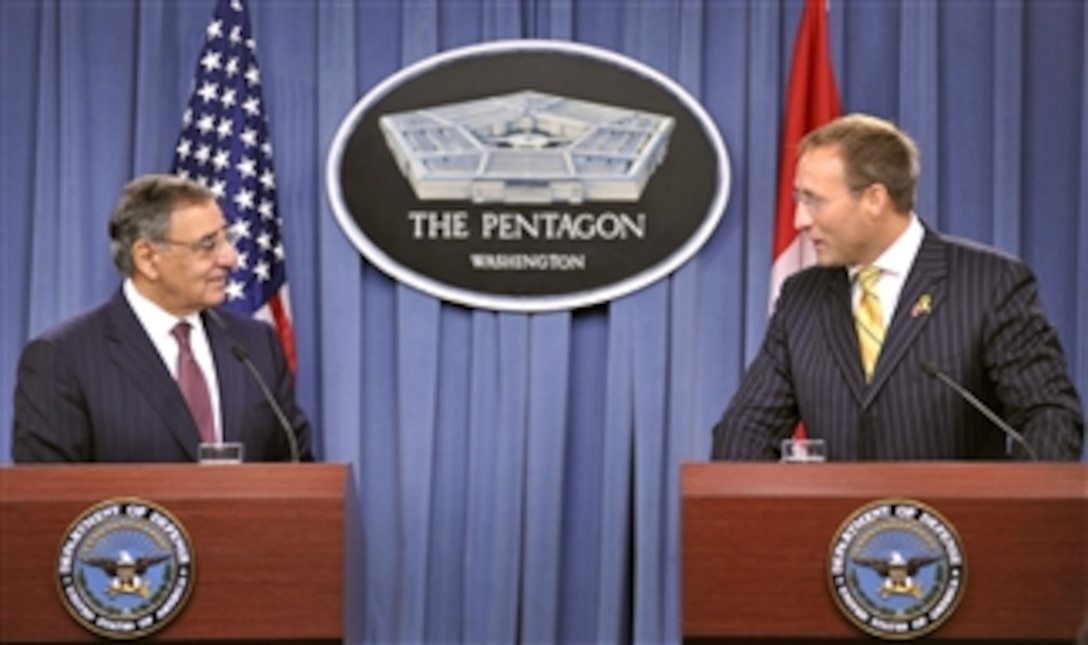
(811, 101)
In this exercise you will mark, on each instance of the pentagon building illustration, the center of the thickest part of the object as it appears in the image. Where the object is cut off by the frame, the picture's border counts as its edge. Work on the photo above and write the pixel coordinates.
(527, 148)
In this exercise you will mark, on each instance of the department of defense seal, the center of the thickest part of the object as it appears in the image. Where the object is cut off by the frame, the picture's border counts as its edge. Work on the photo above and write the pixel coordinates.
(896, 569)
(125, 568)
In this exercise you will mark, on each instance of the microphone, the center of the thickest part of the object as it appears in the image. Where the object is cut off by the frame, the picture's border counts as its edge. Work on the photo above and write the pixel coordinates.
(932, 370)
(242, 356)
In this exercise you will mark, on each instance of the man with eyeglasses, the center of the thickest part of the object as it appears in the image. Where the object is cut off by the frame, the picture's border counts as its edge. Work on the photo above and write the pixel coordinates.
(872, 347)
(149, 375)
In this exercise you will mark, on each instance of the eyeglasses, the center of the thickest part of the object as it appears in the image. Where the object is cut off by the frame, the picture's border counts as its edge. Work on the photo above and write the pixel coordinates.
(208, 244)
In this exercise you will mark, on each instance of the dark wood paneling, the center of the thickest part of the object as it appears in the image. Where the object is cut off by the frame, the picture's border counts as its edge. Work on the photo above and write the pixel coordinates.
(756, 538)
(268, 542)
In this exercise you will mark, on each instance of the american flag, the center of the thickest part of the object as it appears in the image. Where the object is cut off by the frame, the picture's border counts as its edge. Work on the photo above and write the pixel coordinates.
(224, 144)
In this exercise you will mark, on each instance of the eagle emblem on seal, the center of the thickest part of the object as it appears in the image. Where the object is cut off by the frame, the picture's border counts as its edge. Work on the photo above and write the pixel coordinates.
(126, 573)
(898, 572)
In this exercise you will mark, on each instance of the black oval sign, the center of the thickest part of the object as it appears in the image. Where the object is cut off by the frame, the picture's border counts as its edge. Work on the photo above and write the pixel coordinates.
(528, 175)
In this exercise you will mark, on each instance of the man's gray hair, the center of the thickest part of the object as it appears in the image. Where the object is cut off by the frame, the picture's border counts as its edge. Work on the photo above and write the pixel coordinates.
(143, 212)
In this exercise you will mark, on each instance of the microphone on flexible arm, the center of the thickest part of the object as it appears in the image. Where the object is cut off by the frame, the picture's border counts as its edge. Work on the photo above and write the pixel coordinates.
(932, 370)
(242, 356)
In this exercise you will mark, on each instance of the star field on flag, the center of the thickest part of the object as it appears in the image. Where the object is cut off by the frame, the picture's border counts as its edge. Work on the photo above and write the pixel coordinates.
(224, 145)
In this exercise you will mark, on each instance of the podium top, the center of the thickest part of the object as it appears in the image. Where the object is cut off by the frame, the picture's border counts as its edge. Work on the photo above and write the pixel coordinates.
(937, 479)
(169, 482)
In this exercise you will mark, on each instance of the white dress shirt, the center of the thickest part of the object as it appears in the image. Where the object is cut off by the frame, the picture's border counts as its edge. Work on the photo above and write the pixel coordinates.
(894, 264)
(159, 326)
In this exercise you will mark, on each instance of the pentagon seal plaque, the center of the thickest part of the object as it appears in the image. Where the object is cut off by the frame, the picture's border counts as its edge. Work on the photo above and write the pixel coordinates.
(125, 568)
(896, 569)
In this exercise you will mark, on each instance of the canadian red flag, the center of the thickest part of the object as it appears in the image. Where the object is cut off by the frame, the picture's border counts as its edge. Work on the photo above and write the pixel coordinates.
(811, 101)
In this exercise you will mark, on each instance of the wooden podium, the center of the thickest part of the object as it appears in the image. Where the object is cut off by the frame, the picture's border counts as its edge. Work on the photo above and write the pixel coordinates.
(269, 543)
(755, 542)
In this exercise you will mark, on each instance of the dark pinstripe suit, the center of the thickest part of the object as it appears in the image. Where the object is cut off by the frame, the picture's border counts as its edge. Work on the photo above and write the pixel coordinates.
(985, 328)
(96, 389)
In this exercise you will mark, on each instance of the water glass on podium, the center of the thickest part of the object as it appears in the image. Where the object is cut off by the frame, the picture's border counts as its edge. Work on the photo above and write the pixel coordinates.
(803, 451)
(222, 452)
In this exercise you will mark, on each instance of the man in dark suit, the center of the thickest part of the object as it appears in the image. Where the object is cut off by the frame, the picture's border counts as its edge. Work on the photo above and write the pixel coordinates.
(850, 341)
(149, 375)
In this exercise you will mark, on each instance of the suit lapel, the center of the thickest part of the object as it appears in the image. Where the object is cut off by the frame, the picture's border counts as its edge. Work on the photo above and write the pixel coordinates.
(923, 292)
(231, 379)
(837, 320)
(133, 353)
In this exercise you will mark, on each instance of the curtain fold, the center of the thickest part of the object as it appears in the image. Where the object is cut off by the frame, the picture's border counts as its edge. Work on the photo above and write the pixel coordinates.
(544, 416)
(517, 473)
(1008, 165)
(1079, 344)
(918, 96)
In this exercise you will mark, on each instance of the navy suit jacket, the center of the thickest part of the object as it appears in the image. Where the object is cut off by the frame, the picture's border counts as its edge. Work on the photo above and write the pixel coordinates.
(95, 389)
(983, 326)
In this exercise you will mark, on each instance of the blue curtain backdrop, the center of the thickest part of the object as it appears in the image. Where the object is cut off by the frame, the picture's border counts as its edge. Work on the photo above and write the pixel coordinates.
(518, 473)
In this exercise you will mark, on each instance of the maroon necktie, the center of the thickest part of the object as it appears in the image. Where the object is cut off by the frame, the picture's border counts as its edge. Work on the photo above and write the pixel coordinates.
(193, 386)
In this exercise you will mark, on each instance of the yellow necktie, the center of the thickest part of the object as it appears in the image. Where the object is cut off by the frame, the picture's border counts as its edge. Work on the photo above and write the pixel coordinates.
(869, 320)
